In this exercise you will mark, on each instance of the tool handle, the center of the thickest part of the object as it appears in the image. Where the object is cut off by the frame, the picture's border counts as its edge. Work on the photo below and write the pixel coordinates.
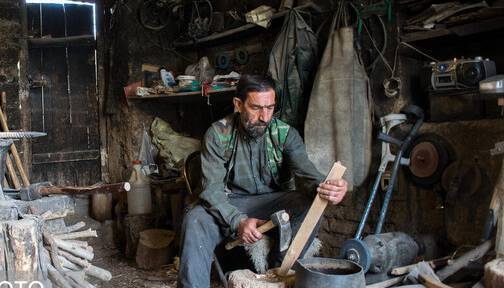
(263, 229)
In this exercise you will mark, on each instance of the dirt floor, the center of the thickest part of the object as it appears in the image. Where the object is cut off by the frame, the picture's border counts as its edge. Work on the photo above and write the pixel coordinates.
(124, 271)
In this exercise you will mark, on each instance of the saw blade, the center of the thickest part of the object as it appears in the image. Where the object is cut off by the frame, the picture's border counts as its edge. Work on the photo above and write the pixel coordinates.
(21, 134)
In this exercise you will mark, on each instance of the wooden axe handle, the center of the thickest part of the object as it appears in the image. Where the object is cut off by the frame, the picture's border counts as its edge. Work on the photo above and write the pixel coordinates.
(309, 223)
(104, 188)
(263, 229)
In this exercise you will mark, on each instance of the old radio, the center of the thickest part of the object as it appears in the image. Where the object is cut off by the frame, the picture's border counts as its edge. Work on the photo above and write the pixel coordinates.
(460, 73)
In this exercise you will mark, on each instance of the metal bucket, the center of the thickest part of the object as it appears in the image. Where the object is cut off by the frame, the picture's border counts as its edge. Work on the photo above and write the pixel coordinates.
(328, 273)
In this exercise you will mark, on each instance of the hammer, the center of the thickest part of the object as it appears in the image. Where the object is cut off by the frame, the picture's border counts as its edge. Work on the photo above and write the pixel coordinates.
(279, 219)
(38, 190)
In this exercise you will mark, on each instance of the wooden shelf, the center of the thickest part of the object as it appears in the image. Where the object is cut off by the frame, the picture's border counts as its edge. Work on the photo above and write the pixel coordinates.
(182, 95)
(460, 30)
(227, 33)
(82, 40)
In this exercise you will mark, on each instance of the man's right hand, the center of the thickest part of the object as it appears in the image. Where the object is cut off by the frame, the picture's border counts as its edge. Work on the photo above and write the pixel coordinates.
(247, 230)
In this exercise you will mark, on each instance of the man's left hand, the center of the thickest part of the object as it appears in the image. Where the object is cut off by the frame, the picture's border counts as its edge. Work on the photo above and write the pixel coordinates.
(333, 190)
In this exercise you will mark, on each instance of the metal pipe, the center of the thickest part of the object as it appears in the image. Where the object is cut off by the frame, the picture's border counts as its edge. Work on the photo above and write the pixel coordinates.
(369, 204)
(395, 170)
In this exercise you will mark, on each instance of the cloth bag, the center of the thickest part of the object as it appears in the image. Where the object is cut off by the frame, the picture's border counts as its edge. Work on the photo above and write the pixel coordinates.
(291, 64)
(338, 125)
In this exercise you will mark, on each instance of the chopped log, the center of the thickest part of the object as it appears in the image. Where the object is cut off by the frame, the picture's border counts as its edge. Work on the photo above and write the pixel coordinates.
(49, 215)
(80, 234)
(20, 249)
(57, 278)
(79, 261)
(101, 207)
(67, 264)
(434, 264)
(154, 248)
(463, 260)
(89, 269)
(83, 244)
(386, 283)
(74, 249)
(79, 278)
(69, 229)
(133, 225)
(98, 272)
(494, 273)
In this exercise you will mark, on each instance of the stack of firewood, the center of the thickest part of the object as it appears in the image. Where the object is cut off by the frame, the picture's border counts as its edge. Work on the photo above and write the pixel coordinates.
(66, 258)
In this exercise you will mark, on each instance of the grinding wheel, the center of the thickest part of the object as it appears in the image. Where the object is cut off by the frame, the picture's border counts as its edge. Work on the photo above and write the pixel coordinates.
(357, 251)
(429, 155)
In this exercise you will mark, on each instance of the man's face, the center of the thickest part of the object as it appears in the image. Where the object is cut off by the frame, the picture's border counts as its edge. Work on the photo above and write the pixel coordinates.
(256, 112)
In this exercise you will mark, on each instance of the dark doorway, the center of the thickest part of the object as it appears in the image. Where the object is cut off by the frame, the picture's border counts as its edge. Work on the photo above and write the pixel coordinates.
(62, 71)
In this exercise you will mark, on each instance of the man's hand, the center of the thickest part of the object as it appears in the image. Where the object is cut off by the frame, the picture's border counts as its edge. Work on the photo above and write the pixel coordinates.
(333, 190)
(247, 230)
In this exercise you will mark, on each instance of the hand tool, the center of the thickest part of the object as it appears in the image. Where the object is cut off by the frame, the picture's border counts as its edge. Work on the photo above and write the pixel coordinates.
(279, 219)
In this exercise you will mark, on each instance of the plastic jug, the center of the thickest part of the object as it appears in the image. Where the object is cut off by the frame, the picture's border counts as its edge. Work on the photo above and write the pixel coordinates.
(139, 196)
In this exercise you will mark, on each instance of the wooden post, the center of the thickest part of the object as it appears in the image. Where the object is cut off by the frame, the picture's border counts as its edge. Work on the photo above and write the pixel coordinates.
(312, 217)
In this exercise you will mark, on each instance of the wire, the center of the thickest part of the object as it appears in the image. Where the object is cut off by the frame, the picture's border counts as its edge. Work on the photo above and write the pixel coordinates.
(412, 48)
(376, 47)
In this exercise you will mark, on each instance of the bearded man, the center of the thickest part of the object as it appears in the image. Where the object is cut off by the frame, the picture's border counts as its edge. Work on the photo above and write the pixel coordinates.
(248, 162)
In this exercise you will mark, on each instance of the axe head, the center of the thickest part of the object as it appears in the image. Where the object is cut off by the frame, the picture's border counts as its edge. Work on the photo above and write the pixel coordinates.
(282, 221)
(32, 192)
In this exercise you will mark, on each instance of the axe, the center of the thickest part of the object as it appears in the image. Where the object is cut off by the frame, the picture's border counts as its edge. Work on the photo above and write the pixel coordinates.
(38, 190)
(279, 219)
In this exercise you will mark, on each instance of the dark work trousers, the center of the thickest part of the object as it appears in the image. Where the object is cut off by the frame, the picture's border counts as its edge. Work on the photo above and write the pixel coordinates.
(201, 232)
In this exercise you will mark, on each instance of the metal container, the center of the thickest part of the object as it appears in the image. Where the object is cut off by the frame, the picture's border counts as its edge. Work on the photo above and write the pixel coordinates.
(318, 272)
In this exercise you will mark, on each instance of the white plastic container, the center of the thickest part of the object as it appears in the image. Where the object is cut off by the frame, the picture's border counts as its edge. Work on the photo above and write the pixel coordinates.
(139, 196)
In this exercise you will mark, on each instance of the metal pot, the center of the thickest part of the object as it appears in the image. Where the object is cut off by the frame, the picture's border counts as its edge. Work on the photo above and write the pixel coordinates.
(318, 272)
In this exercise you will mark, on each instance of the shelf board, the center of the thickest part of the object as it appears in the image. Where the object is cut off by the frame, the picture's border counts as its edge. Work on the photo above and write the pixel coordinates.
(227, 33)
(460, 30)
(181, 95)
(81, 40)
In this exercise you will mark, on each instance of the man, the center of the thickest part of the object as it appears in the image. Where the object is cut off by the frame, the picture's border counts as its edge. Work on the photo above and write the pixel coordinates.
(247, 160)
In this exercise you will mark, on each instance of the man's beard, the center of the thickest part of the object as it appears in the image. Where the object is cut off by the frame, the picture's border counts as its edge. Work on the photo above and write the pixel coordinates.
(255, 130)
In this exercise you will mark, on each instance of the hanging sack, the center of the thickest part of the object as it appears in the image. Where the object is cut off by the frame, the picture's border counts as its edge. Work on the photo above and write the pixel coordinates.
(338, 124)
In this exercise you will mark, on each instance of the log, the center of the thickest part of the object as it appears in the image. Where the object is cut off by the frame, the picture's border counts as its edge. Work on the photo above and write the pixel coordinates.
(154, 248)
(80, 234)
(79, 278)
(83, 244)
(89, 269)
(464, 260)
(248, 279)
(69, 229)
(20, 249)
(57, 278)
(101, 207)
(494, 273)
(49, 215)
(74, 249)
(386, 283)
(430, 282)
(311, 219)
(434, 264)
(133, 225)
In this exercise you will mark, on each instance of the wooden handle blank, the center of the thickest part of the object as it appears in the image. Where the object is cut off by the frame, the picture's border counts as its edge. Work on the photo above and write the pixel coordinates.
(263, 229)
(311, 219)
